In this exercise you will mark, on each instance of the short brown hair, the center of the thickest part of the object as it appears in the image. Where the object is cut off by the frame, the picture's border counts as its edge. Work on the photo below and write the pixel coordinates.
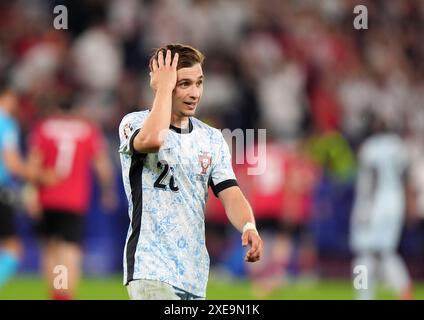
(187, 55)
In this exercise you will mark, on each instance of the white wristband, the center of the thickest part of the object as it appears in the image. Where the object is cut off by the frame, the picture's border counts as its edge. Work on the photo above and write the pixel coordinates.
(249, 226)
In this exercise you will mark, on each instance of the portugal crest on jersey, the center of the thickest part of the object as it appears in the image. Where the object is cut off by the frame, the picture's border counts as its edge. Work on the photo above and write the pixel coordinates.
(205, 161)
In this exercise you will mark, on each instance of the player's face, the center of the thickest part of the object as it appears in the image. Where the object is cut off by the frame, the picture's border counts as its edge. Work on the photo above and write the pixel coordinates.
(188, 91)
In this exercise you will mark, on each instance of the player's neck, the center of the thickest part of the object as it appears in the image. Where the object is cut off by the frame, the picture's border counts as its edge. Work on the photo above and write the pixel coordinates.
(180, 122)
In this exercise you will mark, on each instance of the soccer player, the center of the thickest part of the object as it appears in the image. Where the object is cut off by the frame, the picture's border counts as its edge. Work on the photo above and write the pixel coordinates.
(378, 212)
(71, 146)
(11, 165)
(169, 159)
(282, 200)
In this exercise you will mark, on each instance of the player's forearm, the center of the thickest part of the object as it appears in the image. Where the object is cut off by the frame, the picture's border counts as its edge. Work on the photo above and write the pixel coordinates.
(104, 171)
(16, 165)
(157, 123)
(34, 172)
(237, 208)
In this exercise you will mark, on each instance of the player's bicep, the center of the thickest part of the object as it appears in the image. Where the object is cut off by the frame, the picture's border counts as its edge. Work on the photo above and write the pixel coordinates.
(221, 186)
(229, 195)
(131, 133)
(143, 143)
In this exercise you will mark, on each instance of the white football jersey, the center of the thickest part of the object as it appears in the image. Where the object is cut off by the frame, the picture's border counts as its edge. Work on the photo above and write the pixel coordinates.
(167, 192)
(379, 206)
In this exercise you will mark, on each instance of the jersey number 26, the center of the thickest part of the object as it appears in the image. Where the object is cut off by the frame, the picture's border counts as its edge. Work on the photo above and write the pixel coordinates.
(164, 174)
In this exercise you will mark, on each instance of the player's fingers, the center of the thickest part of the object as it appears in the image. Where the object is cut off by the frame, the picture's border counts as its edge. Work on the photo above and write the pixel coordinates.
(254, 255)
(256, 250)
(168, 58)
(259, 252)
(175, 60)
(247, 258)
(256, 258)
(254, 239)
(244, 239)
(255, 243)
(252, 258)
(160, 59)
(154, 65)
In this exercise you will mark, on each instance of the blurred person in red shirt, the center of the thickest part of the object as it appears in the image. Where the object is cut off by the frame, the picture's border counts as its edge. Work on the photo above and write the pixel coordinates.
(71, 146)
(282, 200)
(301, 178)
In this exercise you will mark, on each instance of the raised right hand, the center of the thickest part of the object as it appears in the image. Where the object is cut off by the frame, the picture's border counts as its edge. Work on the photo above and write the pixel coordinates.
(164, 73)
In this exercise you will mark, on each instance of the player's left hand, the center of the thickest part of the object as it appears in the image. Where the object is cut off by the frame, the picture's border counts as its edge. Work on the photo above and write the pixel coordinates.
(252, 238)
(31, 203)
(50, 178)
(109, 200)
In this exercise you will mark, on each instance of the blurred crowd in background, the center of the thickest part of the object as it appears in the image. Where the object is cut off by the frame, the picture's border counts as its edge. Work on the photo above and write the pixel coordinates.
(297, 68)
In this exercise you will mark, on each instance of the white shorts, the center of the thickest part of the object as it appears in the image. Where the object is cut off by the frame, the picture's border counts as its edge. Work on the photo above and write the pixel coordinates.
(381, 233)
(157, 290)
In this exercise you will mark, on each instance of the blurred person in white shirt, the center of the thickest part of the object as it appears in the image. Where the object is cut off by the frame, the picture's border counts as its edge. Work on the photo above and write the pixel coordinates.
(378, 212)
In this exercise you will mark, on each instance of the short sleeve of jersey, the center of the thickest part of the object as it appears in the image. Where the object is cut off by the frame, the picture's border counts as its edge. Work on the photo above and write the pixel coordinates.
(9, 139)
(128, 129)
(222, 175)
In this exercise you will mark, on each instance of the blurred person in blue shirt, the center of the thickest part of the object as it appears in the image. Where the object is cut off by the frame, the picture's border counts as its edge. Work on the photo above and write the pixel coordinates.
(12, 166)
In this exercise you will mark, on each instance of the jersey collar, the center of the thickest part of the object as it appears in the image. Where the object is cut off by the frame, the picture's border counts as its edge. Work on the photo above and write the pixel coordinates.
(181, 130)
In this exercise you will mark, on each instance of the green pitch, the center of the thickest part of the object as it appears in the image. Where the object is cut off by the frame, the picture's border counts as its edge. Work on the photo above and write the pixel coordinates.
(32, 287)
